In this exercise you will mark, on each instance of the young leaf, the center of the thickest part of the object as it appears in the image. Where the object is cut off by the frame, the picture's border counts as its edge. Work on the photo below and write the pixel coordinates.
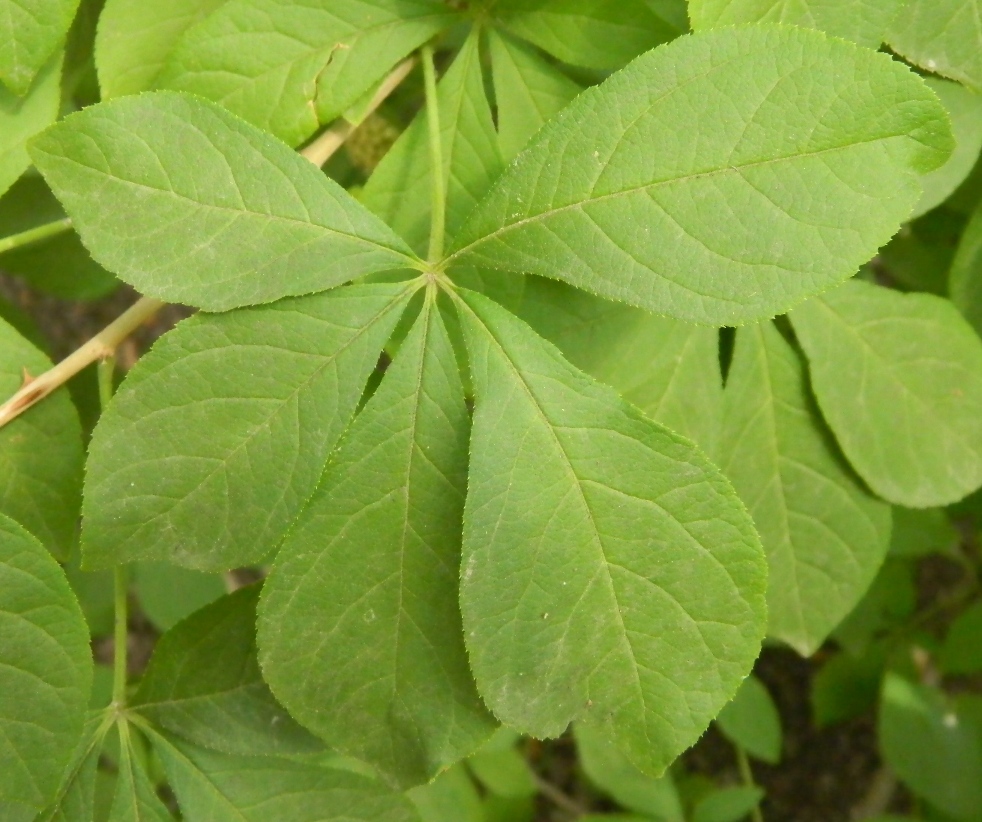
(965, 277)
(825, 535)
(135, 38)
(399, 188)
(773, 200)
(751, 721)
(220, 788)
(371, 658)
(204, 685)
(248, 221)
(168, 593)
(610, 575)
(965, 110)
(451, 797)
(727, 805)
(669, 369)
(135, 799)
(220, 434)
(30, 30)
(942, 36)
(601, 34)
(45, 669)
(962, 651)
(286, 65)
(41, 453)
(865, 23)
(23, 117)
(899, 379)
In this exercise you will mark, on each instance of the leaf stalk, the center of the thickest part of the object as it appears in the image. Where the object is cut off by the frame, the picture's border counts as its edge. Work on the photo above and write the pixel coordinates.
(34, 235)
(438, 219)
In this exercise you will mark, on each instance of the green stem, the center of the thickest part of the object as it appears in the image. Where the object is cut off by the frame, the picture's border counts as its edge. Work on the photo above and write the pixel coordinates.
(438, 221)
(32, 235)
(106, 371)
(747, 775)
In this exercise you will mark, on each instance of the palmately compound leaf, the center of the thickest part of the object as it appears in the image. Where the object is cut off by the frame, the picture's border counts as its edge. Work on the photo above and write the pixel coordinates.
(602, 34)
(220, 788)
(719, 179)
(135, 799)
(359, 625)
(30, 31)
(610, 574)
(399, 188)
(942, 36)
(668, 369)
(76, 795)
(135, 38)
(528, 89)
(188, 203)
(965, 275)
(204, 685)
(286, 65)
(23, 117)
(865, 22)
(41, 454)
(220, 434)
(899, 379)
(45, 669)
(825, 535)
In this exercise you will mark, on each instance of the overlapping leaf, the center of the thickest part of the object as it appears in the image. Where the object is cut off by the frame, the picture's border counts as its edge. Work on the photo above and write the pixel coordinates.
(204, 685)
(943, 36)
(965, 276)
(135, 38)
(23, 117)
(603, 34)
(45, 669)
(529, 91)
(609, 573)
(135, 799)
(40, 453)
(721, 178)
(220, 434)
(248, 221)
(399, 188)
(373, 659)
(286, 65)
(30, 31)
(825, 535)
(864, 21)
(222, 788)
(899, 379)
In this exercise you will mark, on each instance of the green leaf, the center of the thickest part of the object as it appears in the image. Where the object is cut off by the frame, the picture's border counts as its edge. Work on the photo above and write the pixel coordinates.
(919, 256)
(751, 721)
(529, 91)
(728, 805)
(888, 604)
(45, 669)
(204, 685)
(220, 434)
(502, 769)
(942, 36)
(865, 22)
(221, 788)
(135, 799)
(933, 746)
(372, 658)
(845, 687)
(399, 189)
(249, 221)
(76, 796)
(609, 573)
(669, 369)
(135, 38)
(920, 532)
(611, 773)
(451, 797)
(962, 649)
(965, 277)
(825, 535)
(899, 379)
(58, 265)
(777, 200)
(30, 31)
(965, 109)
(286, 65)
(167, 593)
(23, 117)
(602, 34)
(40, 453)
